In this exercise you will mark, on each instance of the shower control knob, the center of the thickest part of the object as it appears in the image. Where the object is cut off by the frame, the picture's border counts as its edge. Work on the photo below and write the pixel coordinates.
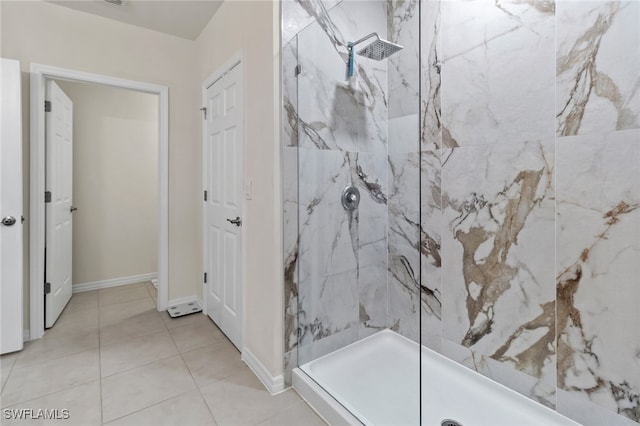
(350, 198)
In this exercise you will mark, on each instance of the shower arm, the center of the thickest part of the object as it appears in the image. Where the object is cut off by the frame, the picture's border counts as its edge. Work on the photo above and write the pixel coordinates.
(350, 46)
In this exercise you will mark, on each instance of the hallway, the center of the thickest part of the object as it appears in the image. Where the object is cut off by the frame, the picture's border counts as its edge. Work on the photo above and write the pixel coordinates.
(112, 358)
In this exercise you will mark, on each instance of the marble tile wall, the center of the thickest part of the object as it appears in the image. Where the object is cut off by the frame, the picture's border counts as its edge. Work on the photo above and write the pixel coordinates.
(539, 106)
(336, 260)
(503, 190)
(403, 276)
(598, 210)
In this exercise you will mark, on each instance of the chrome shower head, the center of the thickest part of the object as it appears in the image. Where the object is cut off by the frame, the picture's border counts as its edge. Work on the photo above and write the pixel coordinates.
(380, 49)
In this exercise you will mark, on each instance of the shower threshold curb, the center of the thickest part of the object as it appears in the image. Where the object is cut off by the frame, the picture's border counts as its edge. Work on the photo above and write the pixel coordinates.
(324, 404)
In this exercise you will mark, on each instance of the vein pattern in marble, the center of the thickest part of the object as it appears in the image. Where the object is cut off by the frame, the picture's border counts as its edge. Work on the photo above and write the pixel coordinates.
(598, 264)
(498, 243)
(404, 66)
(334, 113)
(431, 82)
(498, 71)
(598, 67)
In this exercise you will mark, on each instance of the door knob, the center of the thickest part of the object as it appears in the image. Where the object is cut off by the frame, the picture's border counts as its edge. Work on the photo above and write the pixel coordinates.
(235, 221)
(73, 209)
(9, 221)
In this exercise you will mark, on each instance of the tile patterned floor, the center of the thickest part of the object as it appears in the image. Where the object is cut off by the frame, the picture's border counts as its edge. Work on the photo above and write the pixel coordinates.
(112, 359)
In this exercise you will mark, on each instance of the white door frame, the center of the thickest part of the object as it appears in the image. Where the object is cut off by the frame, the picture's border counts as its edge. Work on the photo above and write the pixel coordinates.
(39, 74)
(235, 59)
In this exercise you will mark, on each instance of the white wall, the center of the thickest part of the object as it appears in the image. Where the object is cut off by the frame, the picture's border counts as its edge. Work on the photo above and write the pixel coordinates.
(253, 27)
(115, 182)
(41, 32)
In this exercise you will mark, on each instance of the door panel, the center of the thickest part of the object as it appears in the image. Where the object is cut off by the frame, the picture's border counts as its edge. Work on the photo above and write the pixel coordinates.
(223, 153)
(59, 182)
(11, 234)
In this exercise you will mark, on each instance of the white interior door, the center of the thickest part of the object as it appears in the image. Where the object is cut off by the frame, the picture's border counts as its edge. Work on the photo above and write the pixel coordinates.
(11, 228)
(59, 183)
(223, 160)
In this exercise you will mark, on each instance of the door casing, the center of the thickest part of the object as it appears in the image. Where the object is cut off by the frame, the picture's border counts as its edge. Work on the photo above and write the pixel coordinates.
(39, 74)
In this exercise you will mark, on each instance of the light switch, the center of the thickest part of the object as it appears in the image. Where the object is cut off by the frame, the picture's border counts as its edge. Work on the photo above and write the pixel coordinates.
(248, 185)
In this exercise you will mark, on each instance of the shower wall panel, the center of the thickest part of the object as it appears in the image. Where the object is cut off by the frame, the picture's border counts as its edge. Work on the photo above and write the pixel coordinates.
(404, 170)
(487, 104)
(340, 256)
(539, 289)
(598, 210)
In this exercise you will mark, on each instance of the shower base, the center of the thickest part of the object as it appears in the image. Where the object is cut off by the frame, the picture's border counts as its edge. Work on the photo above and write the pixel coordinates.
(375, 381)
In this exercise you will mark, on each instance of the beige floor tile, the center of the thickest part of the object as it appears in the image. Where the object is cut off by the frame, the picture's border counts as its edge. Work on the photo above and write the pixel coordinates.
(153, 292)
(242, 400)
(56, 344)
(298, 415)
(82, 403)
(122, 294)
(213, 362)
(81, 301)
(171, 323)
(7, 362)
(144, 323)
(188, 409)
(75, 322)
(122, 312)
(136, 351)
(34, 381)
(142, 387)
(197, 335)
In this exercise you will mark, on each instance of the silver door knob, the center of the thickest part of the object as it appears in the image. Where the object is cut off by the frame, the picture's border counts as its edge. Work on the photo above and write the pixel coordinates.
(235, 221)
(9, 221)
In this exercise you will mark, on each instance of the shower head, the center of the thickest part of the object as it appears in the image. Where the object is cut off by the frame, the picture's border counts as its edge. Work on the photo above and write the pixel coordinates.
(380, 49)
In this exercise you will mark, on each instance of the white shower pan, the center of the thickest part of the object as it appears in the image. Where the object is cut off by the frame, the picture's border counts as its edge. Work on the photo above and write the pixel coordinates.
(376, 379)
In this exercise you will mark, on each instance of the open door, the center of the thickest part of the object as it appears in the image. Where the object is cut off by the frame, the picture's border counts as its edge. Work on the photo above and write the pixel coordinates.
(58, 199)
(11, 228)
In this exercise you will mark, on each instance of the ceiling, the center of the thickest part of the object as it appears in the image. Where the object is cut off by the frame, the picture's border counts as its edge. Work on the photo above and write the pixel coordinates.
(182, 18)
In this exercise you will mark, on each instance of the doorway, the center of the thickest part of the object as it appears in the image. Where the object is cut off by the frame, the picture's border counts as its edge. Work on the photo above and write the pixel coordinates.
(40, 74)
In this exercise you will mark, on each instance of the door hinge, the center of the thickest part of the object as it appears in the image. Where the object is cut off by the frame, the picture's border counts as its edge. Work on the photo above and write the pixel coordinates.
(47, 106)
(47, 288)
(205, 277)
(47, 196)
(298, 70)
(204, 110)
(205, 195)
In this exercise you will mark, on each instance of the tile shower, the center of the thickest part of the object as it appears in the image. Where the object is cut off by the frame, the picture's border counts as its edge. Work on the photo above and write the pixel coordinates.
(498, 158)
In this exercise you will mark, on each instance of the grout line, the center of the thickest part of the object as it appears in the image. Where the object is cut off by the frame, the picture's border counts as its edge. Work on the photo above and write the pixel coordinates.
(26, 401)
(146, 364)
(149, 406)
(215, 421)
(9, 375)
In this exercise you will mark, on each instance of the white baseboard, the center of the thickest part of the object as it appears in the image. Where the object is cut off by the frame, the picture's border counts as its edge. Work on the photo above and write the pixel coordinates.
(114, 282)
(273, 384)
